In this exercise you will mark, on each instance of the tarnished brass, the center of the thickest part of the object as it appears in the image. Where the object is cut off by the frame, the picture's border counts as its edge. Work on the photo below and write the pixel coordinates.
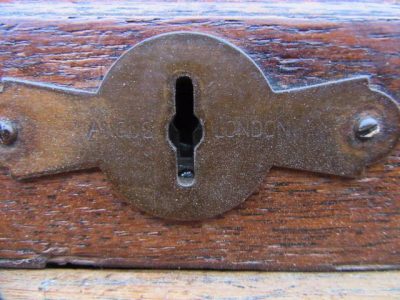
(186, 126)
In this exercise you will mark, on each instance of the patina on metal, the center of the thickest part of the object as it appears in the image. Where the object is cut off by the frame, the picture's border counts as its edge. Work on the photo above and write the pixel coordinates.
(186, 126)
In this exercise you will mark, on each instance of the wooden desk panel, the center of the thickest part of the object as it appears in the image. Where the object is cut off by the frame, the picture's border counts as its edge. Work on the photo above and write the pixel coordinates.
(295, 221)
(125, 285)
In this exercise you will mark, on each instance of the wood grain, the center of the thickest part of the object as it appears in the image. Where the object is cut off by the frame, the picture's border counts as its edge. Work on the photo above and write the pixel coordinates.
(95, 284)
(295, 221)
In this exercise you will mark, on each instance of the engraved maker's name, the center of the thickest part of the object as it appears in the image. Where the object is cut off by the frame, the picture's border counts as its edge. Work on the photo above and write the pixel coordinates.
(239, 128)
(141, 131)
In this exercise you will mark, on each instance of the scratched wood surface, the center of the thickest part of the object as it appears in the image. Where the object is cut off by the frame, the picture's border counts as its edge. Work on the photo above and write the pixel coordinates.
(126, 285)
(294, 221)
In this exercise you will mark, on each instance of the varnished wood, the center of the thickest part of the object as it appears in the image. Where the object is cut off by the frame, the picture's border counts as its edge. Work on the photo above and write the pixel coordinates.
(295, 221)
(95, 284)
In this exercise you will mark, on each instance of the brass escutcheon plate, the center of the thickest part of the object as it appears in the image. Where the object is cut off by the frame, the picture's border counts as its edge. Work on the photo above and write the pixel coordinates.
(186, 126)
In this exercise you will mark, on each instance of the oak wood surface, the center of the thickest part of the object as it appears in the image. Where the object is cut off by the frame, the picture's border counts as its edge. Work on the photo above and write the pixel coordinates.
(111, 284)
(294, 221)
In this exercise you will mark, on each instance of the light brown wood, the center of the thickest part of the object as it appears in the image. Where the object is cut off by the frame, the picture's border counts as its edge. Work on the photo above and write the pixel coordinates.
(96, 284)
(295, 221)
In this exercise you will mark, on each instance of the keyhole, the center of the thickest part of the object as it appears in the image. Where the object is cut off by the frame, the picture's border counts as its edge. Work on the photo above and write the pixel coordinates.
(185, 130)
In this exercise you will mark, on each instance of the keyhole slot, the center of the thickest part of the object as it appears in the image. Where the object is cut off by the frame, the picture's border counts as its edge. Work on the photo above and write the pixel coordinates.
(185, 130)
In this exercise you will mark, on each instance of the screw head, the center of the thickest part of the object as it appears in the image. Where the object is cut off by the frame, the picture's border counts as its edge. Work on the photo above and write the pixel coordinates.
(8, 132)
(367, 128)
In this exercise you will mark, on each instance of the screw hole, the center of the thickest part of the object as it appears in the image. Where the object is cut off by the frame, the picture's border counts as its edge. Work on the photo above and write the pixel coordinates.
(8, 133)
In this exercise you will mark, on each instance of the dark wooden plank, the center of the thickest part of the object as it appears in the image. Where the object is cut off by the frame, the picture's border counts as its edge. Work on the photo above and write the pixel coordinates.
(295, 221)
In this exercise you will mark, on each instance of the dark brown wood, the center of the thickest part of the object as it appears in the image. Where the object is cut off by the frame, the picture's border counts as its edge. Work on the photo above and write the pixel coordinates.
(295, 221)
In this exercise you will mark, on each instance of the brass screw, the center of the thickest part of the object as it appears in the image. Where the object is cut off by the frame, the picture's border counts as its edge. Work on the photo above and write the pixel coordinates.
(8, 132)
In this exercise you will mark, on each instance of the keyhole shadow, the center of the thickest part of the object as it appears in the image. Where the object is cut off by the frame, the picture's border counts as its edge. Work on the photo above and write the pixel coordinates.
(185, 130)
